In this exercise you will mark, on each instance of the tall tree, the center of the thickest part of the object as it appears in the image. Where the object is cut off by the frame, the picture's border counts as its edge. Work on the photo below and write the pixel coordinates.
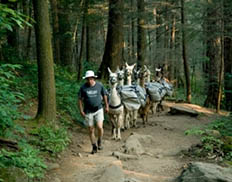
(228, 54)
(65, 33)
(141, 42)
(184, 54)
(55, 27)
(214, 51)
(114, 42)
(83, 40)
(46, 82)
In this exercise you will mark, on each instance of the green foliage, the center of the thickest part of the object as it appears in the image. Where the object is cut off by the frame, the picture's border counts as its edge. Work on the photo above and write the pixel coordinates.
(27, 159)
(50, 139)
(223, 125)
(9, 18)
(67, 92)
(90, 66)
(216, 138)
(27, 80)
(197, 96)
(9, 97)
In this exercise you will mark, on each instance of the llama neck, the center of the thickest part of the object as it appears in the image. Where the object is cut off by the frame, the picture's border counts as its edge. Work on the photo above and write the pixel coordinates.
(129, 80)
(114, 97)
(121, 82)
(142, 82)
(149, 78)
(138, 81)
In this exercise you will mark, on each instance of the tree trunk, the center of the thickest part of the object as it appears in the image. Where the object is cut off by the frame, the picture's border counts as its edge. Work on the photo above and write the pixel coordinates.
(228, 54)
(214, 51)
(65, 36)
(172, 58)
(159, 36)
(46, 83)
(184, 54)
(141, 42)
(55, 23)
(29, 33)
(132, 34)
(114, 42)
(82, 50)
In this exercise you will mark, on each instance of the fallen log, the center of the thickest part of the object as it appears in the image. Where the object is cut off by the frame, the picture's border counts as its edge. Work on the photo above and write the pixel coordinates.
(174, 110)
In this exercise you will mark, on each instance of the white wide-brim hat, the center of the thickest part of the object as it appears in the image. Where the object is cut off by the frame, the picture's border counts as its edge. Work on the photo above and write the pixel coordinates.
(89, 74)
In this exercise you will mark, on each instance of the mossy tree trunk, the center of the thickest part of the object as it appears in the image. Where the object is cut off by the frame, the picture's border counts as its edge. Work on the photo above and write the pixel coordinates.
(46, 82)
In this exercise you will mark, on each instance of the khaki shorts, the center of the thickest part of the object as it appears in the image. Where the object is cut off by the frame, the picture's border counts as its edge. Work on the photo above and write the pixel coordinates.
(90, 118)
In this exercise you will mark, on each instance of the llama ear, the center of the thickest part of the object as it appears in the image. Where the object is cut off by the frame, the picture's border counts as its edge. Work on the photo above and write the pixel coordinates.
(126, 64)
(117, 70)
(109, 70)
(132, 66)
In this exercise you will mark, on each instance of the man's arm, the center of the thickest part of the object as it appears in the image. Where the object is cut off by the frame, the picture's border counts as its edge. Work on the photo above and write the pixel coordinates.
(106, 103)
(80, 103)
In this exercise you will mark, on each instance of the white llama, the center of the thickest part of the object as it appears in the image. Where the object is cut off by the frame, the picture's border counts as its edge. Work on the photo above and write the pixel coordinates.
(115, 106)
(121, 76)
(130, 115)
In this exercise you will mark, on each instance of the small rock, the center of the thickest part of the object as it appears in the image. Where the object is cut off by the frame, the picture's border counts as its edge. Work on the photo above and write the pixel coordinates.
(52, 166)
(159, 156)
(79, 155)
(131, 180)
(78, 145)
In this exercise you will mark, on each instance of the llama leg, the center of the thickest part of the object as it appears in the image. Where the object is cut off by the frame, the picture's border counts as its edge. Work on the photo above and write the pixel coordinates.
(127, 120)
(118, 134)
(152, 109)
(114, 134)
(113, 126)
(154, 105)
(135, 115)
(146, 118)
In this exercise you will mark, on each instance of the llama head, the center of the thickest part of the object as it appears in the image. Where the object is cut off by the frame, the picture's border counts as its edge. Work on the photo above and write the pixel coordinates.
(120, 74)
(143, 72)
(129, 69)
(113, 77)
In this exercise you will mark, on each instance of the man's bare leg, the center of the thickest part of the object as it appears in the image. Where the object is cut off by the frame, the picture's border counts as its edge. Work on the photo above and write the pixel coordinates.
(92, 139)
(100, 134)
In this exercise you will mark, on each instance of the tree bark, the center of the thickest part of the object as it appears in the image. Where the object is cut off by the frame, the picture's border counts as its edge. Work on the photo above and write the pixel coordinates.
(141, 41)
(214, 51)
(228, 54)
(114, 42)
(82, 50)
(184, 54)
(56, 38)
(46, 82)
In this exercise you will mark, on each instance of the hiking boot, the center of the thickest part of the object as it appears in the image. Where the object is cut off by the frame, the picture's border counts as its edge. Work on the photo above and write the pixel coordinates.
(99, 144)
(94, 149)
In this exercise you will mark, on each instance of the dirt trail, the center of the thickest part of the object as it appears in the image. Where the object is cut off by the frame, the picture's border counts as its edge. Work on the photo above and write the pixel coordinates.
(161, 162)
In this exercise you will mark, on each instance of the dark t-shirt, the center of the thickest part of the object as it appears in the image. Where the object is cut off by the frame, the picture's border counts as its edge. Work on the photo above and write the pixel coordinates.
(92, 97)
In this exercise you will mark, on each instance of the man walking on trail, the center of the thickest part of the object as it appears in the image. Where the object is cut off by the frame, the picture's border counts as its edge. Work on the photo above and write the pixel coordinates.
(90, 99)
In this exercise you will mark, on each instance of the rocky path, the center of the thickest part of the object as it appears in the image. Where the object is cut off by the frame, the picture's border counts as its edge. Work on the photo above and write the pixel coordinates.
(145, 154)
